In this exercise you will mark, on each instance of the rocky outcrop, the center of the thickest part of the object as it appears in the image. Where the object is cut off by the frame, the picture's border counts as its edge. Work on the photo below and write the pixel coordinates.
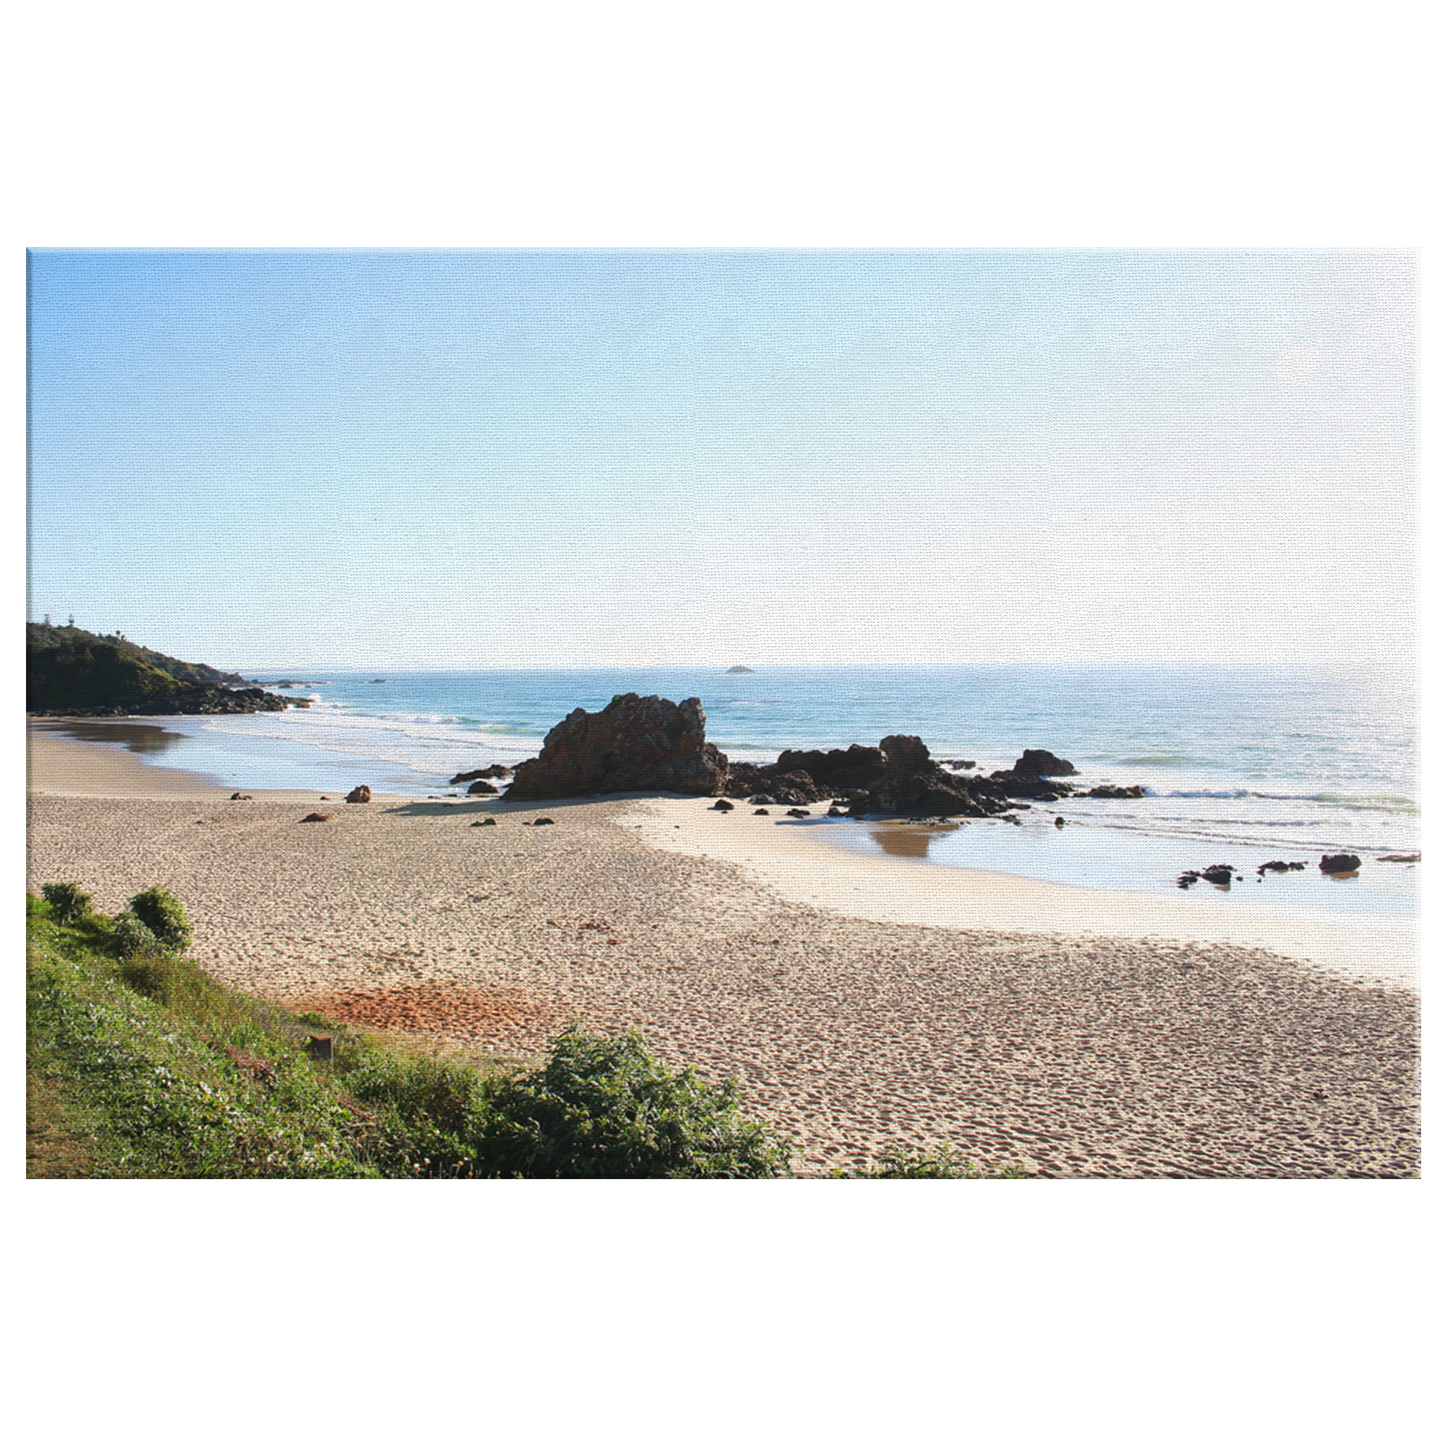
(1044, 764)
(1219, 874)
(812, 776)
(635, 744)
(480, 788)
(496, 770)
(185, 702)
(915, 785)
(852, 767)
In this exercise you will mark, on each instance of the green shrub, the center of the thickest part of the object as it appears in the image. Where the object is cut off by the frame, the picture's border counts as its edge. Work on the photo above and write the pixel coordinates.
(132, 937)
(67, 903)
(162, 912)
(605, 1108)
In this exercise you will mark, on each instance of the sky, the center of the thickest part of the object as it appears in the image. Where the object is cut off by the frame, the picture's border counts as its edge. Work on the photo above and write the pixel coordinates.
(549, 458)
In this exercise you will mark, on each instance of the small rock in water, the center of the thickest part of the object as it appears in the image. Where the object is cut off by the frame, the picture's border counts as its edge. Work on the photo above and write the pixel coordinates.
(480, 788)
(1219, 874)
(1339, 863)
(1058, 822)
(1395, 858)
(1278, 866)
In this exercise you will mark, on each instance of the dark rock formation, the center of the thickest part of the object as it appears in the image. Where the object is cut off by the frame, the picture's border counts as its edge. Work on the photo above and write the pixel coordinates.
(1108, 790)
(799, 813)
(496, 770)
(811, 777)
(184, 702)
(1044, 764)
(317, 818)
(543, 822)
(1220, 874)
(486, 823)
(1278, 866)
(1339, 863)
(634, 744)
(760, 812)
(852, 767)
(361, 794)
(242, 798)
(915, 785)
(480, 788)
(722, 806)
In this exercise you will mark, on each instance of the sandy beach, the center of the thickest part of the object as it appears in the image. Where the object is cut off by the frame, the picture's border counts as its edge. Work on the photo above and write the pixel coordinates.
(864, 1003)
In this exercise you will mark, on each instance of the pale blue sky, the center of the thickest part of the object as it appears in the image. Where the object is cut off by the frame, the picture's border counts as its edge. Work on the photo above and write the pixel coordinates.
(495, 458)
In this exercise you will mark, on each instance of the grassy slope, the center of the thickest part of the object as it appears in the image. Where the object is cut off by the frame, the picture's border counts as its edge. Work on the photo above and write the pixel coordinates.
(147, 1068)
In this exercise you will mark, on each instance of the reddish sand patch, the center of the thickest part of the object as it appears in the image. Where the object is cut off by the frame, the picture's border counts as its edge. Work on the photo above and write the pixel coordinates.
(460, 1013)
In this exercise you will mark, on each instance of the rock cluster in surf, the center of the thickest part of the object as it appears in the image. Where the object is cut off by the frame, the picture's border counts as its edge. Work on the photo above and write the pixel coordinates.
(648, 744)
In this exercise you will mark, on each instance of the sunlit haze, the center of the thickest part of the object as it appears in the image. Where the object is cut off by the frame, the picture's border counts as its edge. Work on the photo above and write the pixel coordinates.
(494, 459)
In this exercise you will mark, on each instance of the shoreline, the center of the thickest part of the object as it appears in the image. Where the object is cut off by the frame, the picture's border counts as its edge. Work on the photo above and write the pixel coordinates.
(798, 863)
(1068, 1053)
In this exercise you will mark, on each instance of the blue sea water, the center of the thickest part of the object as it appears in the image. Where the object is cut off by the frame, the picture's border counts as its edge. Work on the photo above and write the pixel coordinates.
(1242, 763)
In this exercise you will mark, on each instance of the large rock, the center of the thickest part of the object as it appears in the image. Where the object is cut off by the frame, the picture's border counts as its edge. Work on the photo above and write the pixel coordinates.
(810, 776)
(635, 744)
(496, 770)
(1035, 776)
(852, 767)
(1044, 764)
(914, 785)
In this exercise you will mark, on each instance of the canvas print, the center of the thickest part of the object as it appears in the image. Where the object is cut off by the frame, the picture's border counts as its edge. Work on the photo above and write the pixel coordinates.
(941, 714)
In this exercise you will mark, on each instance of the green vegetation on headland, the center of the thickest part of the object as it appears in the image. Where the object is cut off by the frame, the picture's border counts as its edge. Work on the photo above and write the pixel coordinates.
(71, 672)
(139, 1065)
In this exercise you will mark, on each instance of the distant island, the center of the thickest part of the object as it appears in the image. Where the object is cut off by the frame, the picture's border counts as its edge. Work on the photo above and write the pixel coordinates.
(737, 669)
(70, 672)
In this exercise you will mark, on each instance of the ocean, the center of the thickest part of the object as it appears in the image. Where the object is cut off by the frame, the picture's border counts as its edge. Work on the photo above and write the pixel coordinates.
(1242, 764)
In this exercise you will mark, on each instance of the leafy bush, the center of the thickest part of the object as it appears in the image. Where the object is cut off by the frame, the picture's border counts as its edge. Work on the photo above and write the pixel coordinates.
(150, 973)
(605, 1108)
(132, 937)
(67, 903)
(162, 912)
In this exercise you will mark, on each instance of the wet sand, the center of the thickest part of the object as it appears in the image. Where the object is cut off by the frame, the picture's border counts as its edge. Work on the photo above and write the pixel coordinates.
(1064, 1052)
